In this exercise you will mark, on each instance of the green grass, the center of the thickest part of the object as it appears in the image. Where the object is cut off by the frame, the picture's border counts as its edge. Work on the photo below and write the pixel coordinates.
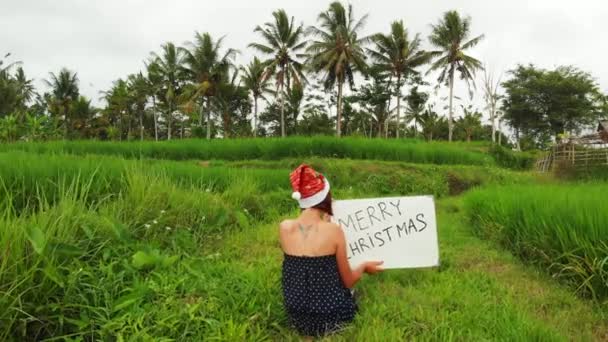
(412, 151)
(106, 248)
(30, 179)
(564, 228)
(161, 261)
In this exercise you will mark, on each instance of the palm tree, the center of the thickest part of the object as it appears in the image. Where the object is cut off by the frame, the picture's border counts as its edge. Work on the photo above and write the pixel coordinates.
(229, 93)
(257, 83)
(470, 122)
(206, 66)
(416, 102)
(82, 113)
(26, 92)
(138, 89)
(168, 67)
(338, 51)
(450, 36)
(285, 44)
(429, 122)
(64, 90)
(118, 102)
(396, 54)
(154, 81)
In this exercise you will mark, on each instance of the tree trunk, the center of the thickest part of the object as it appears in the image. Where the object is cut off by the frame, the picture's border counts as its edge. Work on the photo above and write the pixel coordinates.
(141, 124)
(451, 114)
(499, 134)
(398, 105)
(169, 117)
(282, 106)
(201, 113)
(154, 116)
(208, 119)
(121, 128)
(67, 123)
(493, 119)
(255, 116)
(129, 126)
(226, 124)
(339, 110)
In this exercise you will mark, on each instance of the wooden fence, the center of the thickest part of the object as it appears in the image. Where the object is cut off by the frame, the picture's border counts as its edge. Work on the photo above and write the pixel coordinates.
(573, 155)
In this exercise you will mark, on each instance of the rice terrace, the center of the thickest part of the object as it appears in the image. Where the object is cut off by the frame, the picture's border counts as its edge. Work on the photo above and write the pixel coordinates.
(155, 208)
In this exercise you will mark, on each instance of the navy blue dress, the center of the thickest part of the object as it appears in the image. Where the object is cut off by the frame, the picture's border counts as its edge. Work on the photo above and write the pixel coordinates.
(315, 299)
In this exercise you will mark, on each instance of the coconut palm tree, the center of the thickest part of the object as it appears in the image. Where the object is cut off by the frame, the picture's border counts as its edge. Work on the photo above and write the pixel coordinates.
(138, 90)
(337, 51)
(399, 56)
(429, 122)
(256, 82)
(470, 122)
(416, 102)
(285, 43)
(117, 105)
(154, 81)
(206, 66)
(81, 114)
(451, 37)
(169, 68)
(64, 90)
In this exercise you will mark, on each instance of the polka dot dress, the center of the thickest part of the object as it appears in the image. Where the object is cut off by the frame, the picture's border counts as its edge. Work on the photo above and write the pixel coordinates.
(315, 299)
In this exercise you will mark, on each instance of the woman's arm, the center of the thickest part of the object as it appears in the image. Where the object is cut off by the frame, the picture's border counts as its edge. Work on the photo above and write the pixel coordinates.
(349, 276)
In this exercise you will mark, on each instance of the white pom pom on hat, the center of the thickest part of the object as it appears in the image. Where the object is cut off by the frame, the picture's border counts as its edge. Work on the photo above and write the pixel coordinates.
(296, 195)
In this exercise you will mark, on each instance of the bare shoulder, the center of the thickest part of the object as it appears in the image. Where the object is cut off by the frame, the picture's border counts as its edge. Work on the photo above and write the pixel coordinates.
(332, 228)
(285, 225)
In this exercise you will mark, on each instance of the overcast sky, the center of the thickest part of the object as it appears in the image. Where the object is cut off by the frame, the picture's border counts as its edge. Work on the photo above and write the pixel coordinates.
(105, 40)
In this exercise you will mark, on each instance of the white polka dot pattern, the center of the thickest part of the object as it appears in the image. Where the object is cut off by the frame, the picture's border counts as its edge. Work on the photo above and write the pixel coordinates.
(315, 299)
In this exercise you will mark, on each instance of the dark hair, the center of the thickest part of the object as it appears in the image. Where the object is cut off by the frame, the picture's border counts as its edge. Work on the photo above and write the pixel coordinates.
(325, 205)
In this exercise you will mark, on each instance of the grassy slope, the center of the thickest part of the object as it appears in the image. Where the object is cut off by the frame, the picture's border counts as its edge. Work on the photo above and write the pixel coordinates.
(478, 293)
(272, 149)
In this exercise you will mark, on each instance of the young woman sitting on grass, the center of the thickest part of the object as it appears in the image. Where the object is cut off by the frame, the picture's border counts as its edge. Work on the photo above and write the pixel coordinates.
(317, 277)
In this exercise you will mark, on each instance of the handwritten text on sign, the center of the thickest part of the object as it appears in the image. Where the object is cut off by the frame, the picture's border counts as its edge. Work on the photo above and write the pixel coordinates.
(401, 231)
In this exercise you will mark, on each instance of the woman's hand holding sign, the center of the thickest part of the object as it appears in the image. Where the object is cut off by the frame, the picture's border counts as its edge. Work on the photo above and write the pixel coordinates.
(373, 267)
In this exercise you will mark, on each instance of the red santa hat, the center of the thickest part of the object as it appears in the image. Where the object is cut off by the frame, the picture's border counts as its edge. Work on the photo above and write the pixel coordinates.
(309, 187)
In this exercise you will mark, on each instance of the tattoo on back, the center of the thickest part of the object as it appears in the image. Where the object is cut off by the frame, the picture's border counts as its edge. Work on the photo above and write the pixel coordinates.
(304, 230)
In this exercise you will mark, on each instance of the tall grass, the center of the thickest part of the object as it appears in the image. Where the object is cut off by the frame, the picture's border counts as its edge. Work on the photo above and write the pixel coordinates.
(270, 149)
(561, 227)
(29, 178)
(80, 270)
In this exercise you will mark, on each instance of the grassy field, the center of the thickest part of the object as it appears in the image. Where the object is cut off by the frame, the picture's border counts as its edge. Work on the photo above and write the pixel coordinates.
(118, 248)
(561, 227)
(413, 151)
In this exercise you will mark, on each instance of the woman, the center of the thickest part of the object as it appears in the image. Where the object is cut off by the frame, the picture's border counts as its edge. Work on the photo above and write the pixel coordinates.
(317, 277)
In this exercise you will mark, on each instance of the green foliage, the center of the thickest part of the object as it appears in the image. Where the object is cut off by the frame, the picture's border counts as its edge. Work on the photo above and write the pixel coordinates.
(270, 149)
(451, 36)
(560, 227)
(511, 159)
(540, 103)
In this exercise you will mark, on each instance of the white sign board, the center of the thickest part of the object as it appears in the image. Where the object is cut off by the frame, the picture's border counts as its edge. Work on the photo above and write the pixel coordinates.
(401, 231)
